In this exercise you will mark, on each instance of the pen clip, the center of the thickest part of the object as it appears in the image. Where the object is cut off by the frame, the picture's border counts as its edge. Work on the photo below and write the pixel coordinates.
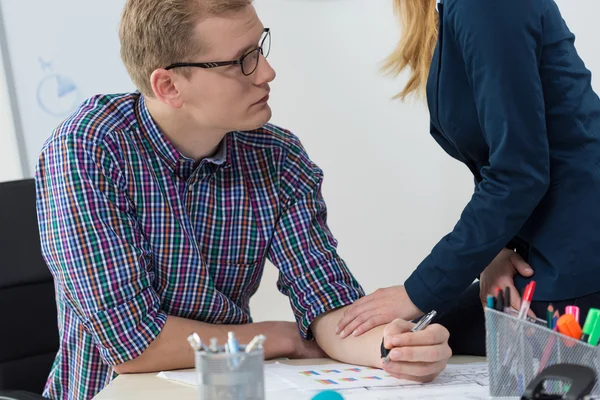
(426, 320)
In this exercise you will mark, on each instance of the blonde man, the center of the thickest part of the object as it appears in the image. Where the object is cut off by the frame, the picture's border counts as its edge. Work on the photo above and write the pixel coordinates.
(158, 209)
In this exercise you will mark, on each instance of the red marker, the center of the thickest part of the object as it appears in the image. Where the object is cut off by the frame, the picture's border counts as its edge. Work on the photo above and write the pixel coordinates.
(526, 303)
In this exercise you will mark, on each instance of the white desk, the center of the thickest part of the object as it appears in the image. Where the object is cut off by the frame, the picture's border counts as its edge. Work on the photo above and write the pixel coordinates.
(149, 387)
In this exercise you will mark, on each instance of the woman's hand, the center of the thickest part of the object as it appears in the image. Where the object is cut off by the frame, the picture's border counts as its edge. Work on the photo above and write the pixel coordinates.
(379, 308)
(416, 356)
(500, 274)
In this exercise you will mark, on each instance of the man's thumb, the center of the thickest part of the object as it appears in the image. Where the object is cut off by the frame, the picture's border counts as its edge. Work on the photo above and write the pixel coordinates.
(521, 266)
(397, 327)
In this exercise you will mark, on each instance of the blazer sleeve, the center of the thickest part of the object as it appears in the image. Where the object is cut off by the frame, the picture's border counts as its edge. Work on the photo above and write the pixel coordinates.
(501, 44)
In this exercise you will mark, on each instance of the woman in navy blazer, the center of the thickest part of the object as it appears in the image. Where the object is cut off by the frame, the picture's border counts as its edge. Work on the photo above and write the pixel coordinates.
(510, 98)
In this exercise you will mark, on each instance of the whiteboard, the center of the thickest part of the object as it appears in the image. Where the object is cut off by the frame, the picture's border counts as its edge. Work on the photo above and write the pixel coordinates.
(57, 53)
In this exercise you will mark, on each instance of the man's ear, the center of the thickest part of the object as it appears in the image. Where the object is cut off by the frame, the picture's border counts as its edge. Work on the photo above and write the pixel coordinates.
(164, 86)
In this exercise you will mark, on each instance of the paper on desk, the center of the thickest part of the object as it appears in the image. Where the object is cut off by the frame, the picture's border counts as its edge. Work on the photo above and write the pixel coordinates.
(297, 394)
(452, 392)
(272, 382)
(332, 376)
(458, 381)
(345, 376)
(183, 377)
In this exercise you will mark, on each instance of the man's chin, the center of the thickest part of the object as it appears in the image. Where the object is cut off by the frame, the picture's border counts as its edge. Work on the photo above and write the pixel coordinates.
(259, 120)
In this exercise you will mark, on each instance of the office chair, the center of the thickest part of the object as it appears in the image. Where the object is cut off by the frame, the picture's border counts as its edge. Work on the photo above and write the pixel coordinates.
(28, 328)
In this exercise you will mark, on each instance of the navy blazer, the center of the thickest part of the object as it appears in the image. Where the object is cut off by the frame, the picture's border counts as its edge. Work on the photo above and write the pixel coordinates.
(510, 98)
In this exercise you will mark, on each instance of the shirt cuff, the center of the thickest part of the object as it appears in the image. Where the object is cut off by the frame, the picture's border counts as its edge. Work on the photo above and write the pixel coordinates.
(422, 295)
(125, 331)
(341, 294)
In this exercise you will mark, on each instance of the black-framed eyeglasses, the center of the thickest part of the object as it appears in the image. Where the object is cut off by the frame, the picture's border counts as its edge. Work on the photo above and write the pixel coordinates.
(248, 62)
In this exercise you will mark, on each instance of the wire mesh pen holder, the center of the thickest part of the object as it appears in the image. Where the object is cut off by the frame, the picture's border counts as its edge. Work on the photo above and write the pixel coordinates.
(235, 376)
(518, 350)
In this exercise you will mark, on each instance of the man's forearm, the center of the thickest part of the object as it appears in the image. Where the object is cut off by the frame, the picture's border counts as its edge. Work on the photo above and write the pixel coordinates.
(170, 350)
(362, 350)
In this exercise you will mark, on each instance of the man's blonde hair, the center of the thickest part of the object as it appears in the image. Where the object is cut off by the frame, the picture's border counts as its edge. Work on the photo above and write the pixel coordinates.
(419, 21)
(156, 33)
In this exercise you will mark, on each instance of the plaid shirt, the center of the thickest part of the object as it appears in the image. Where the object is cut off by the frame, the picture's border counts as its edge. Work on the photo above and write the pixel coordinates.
(132, 231)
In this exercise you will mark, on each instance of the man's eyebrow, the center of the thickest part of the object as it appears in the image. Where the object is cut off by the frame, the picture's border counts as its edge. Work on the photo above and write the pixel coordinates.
(251, 47)
(245, 50)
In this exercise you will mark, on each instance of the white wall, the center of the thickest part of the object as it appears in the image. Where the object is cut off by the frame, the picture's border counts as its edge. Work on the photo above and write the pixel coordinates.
(10, 168)
(391, 191)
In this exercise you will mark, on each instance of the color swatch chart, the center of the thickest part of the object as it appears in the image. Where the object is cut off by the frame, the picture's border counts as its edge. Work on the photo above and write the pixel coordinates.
(344, 376)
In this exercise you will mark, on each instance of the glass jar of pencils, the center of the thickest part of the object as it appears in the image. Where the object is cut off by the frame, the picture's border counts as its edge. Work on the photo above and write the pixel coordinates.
(518, 349)
(224, 375)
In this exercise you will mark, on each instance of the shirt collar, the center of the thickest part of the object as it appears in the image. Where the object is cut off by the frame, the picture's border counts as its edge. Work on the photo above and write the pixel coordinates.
(220, 156)
(437, 6)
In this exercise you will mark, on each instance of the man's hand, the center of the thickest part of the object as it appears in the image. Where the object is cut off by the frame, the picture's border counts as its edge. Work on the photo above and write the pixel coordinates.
(298, 347)
(306, 349)
(379, 308)
(500, 274)
(416, 356)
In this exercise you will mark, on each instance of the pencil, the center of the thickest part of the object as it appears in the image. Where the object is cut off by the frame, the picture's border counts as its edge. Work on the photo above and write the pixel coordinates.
(549, 313)
(555, 319)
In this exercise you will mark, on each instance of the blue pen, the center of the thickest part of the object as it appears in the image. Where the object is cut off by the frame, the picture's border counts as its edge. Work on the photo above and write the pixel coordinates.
(232, 343)
(555, 319)
(490, 301)
(232, 347)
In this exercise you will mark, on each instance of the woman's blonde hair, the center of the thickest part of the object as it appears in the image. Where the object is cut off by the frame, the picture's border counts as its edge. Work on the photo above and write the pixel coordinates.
(419, 22)
(156, 33)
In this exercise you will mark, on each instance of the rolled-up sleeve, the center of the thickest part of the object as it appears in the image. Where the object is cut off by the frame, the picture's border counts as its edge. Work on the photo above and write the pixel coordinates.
(501, 44)
(92, 245)
(311, 273)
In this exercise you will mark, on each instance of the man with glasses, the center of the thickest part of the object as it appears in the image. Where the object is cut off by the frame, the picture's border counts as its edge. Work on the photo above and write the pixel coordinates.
(158, 209)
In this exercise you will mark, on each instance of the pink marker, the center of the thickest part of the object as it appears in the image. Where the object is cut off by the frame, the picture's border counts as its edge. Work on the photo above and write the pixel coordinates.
(527, 296)
(574, 311)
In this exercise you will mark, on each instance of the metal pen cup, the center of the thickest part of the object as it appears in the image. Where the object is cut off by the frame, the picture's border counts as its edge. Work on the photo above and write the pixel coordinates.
(235, 376)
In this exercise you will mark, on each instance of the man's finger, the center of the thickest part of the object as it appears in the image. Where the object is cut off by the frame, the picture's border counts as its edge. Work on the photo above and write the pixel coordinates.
(432, 335)
(429, 354)
(417, 379)
(395, 328)
(520, 265)
(414, 369)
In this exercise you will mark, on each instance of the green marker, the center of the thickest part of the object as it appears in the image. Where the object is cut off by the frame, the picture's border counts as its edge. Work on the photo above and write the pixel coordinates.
(591, 328)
